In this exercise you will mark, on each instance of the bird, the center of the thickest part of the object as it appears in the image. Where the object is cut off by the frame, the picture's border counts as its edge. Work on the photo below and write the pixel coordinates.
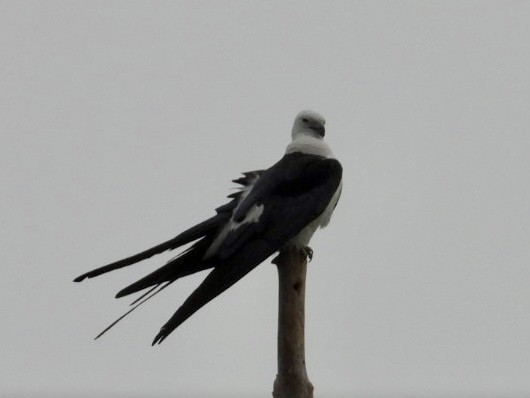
(274, 209)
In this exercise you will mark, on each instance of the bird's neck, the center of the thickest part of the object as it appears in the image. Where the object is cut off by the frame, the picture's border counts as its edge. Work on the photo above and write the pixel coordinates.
(309, 145)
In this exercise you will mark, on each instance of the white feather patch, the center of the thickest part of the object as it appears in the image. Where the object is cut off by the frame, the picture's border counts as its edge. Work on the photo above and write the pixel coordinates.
(253, 216)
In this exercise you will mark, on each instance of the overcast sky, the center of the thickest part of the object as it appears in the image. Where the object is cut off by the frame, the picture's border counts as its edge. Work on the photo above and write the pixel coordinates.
(123, 122)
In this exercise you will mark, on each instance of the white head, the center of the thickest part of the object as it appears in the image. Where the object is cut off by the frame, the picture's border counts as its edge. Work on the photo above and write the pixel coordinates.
(309, 123)
(308, 133)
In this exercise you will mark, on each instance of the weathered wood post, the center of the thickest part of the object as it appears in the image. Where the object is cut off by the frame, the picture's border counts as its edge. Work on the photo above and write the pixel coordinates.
(291, 380)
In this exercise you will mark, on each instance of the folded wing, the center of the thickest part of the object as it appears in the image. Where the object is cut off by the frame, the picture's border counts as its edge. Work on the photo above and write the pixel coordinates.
(292, 193)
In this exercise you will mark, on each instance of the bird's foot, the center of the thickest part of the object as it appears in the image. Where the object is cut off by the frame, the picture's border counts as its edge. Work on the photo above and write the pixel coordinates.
(308, 252)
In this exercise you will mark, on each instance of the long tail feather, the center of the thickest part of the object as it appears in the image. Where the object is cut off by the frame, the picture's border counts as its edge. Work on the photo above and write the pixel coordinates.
(187, 236)
(140, 302)
(221, 278)
(143, 295)
(186, 263)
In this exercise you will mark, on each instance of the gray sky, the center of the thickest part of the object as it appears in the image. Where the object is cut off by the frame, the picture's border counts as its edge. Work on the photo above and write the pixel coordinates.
(123, 122)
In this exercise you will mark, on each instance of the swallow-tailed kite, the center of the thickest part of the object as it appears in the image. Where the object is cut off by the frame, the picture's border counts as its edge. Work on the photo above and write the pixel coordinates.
(277, 207)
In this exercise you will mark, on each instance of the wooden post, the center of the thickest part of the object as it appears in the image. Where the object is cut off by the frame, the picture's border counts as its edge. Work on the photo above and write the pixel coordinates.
(291, 380)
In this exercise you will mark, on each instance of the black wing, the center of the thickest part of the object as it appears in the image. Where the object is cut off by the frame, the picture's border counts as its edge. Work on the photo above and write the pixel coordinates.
(293, 192)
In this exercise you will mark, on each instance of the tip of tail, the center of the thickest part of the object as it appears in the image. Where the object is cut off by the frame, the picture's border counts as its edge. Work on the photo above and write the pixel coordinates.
(160, 337)
(80, 278)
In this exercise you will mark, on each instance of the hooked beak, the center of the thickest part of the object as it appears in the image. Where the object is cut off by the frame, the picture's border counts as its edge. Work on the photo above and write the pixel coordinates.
(320, 129)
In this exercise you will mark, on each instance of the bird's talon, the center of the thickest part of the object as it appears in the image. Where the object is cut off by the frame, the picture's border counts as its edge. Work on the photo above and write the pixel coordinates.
(308, 252)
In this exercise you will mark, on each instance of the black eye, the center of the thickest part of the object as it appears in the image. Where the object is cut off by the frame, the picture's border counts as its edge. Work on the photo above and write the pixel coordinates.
(304, 120)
